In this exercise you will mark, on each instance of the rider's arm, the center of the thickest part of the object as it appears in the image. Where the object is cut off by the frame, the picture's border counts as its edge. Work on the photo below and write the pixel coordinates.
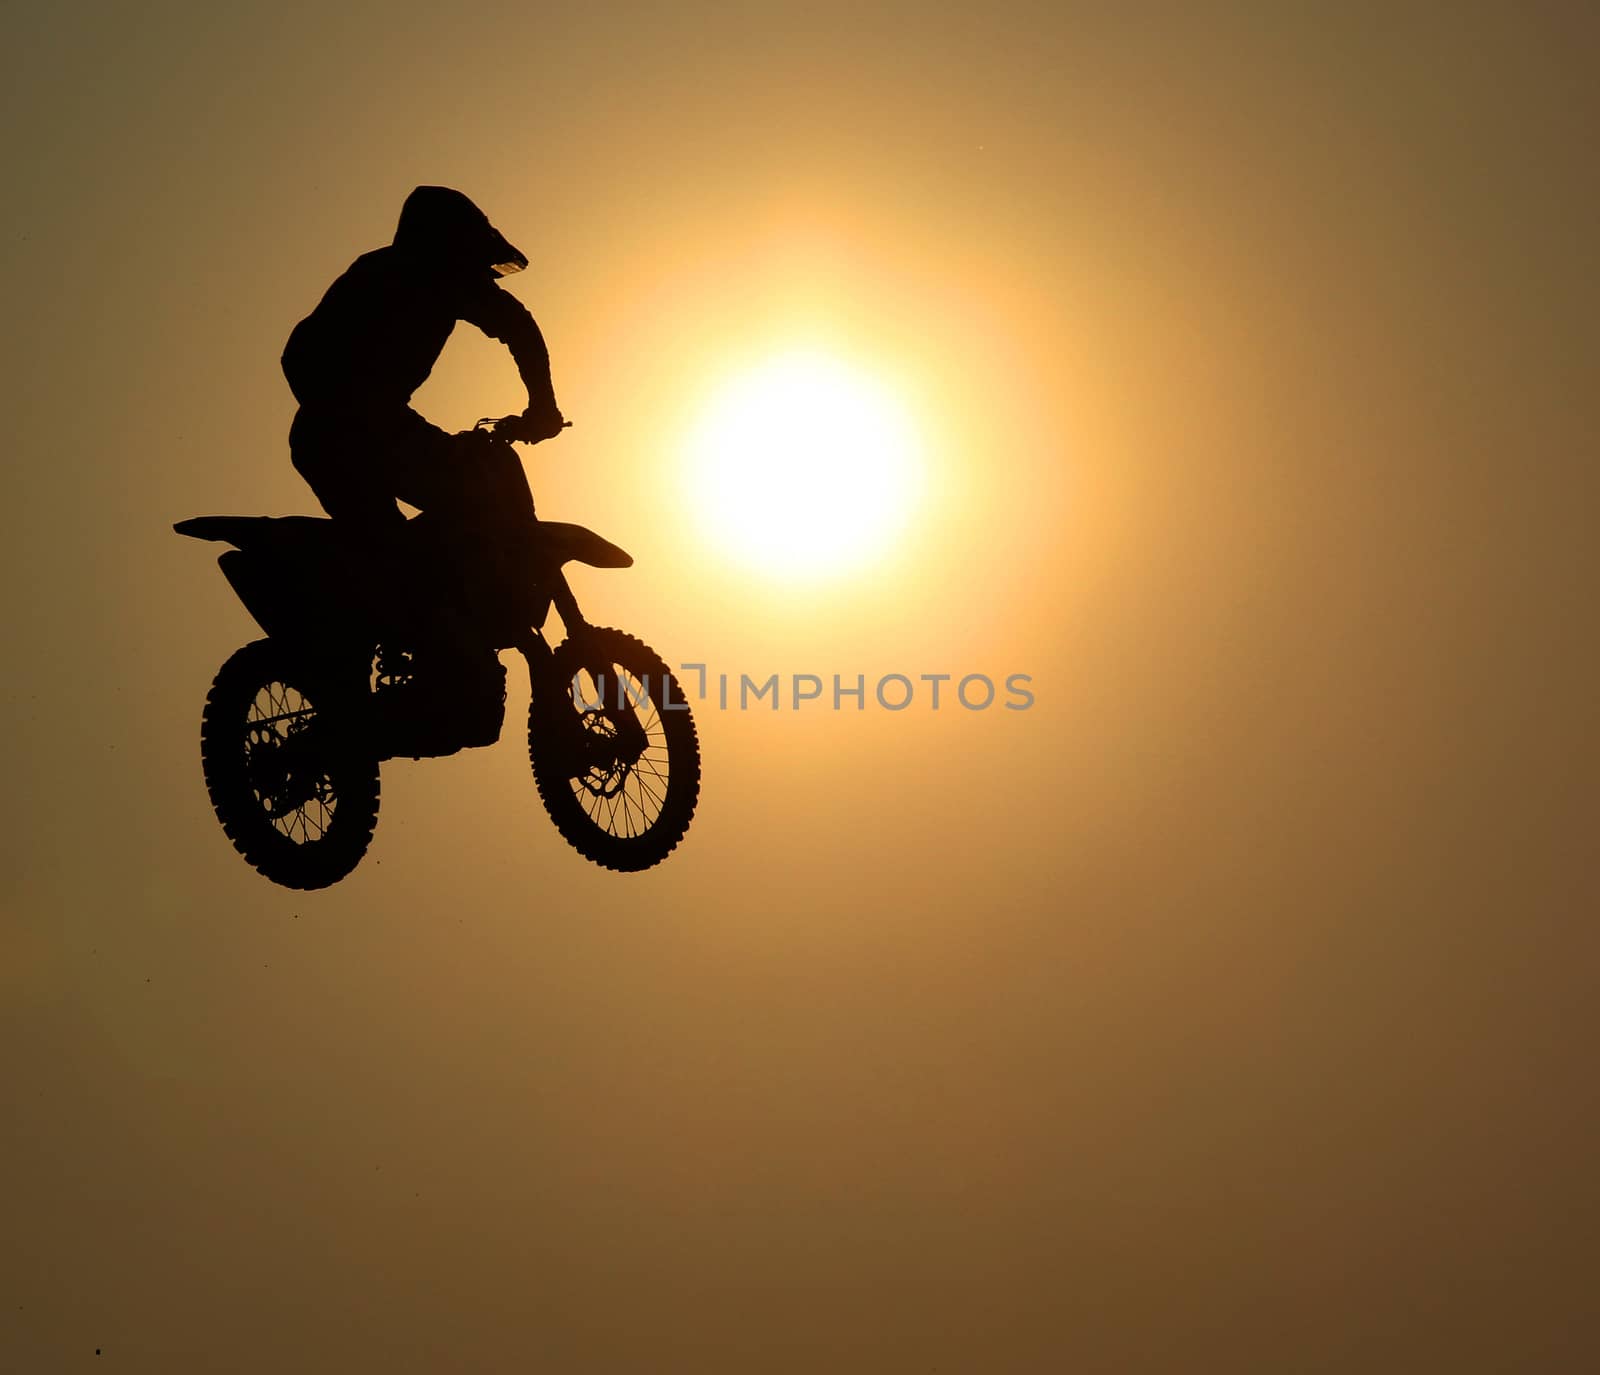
(502, 316)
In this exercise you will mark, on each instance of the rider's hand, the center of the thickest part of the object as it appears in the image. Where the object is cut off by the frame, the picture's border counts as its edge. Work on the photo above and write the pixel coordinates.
(538, 422)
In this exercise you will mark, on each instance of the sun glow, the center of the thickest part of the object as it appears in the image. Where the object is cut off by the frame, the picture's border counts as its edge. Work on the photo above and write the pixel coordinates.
(802, 467)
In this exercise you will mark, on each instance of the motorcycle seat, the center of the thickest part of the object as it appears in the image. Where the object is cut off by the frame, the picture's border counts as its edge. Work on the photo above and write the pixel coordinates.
(246, 532)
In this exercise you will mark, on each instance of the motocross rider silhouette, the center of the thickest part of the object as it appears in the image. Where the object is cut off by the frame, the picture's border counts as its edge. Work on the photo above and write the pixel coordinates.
(355, 361)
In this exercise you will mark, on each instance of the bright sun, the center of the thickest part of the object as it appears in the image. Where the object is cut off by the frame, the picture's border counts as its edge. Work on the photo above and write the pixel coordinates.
(802, 466)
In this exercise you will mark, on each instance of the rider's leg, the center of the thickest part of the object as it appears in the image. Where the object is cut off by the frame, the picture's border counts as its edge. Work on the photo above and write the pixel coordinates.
(337, 453)
(437, 473)
(357, 460)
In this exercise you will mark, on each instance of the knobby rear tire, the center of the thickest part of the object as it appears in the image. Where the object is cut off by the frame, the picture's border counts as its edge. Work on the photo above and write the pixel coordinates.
(335, 826)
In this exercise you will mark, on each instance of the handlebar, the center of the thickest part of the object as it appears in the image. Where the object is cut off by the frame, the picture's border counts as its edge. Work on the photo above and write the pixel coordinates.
(514, 427)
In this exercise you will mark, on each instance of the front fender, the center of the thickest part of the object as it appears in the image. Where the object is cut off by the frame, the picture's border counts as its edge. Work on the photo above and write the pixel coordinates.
(563, 543)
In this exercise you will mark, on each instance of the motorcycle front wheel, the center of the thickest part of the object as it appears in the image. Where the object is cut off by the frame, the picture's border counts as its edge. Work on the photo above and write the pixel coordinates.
(298, 799)
(614, 750)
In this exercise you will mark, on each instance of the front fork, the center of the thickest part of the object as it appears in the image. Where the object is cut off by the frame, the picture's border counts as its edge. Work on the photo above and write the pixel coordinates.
(556, 698)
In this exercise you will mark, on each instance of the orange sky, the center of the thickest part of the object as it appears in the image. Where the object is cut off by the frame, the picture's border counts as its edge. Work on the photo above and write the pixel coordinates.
(1228, 1010)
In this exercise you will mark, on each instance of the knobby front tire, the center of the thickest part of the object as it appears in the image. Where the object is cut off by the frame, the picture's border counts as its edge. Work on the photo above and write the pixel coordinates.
(623, 814)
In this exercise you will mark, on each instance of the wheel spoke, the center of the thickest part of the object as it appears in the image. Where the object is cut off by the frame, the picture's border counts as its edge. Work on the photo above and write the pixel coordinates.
(280, 712)
(628, 794)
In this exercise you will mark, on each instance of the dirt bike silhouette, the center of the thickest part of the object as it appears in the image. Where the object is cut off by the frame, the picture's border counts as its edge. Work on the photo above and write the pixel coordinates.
(296, 724)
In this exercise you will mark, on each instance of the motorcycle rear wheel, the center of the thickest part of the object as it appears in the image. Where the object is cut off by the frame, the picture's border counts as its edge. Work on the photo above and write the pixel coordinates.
(299, 802)
(623, 809)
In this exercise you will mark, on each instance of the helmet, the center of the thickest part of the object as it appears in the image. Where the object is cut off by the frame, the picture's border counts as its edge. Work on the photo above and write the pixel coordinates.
(447, 229)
